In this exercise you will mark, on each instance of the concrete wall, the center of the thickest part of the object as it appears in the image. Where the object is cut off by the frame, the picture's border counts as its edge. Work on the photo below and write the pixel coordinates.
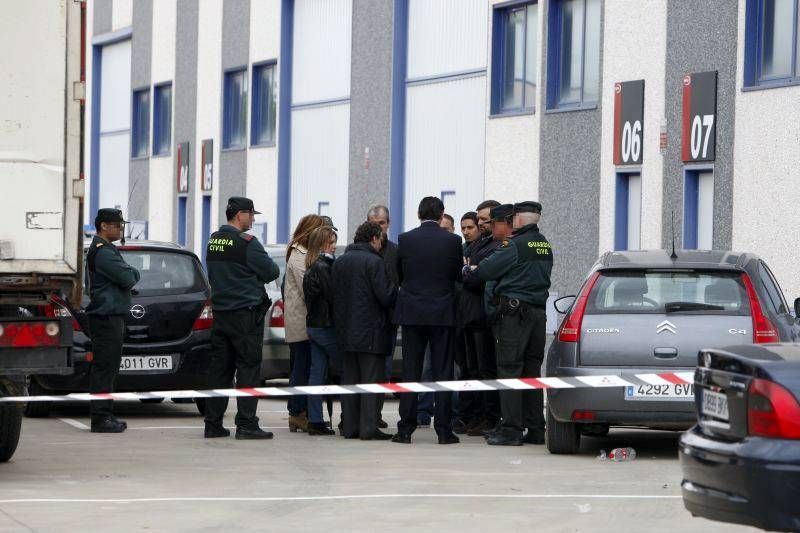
(766, 158)
(701, 36)
(633, 31)
(370, 111)
(569, 184)
(141, 67)
(262, 161)
(512, 142)
(231, 179)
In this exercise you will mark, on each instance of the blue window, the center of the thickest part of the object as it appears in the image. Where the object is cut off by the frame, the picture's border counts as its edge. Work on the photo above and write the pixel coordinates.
(772, 46)
(206, 224)
(140, 136)
(698, 210)
(573, 65)
(182, 220)
(265, 102)
(514, 58)
(162, 119)
(234, 109)
(628, 212)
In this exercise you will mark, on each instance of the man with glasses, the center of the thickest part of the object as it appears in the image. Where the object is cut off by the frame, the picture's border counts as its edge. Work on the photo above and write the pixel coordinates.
(110, 280)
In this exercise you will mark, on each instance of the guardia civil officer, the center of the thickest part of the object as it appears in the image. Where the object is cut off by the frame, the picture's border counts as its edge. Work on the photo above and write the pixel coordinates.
(238, 268)
(521, 266)
(110, 280)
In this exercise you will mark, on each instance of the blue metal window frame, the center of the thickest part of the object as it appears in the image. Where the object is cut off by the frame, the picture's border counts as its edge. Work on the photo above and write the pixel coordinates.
(499, 57)
(227, 117)
(554, 19)
(691, 193)
(206, 225)
(138, 129)
(257, 113)
(160, 130)
(182, 220)
(753, 40)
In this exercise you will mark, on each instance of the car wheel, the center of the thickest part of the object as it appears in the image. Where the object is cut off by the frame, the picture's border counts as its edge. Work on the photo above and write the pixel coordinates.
(561, 437)
(10, 421)
(201, 405)
(37, 409)
(151, 400)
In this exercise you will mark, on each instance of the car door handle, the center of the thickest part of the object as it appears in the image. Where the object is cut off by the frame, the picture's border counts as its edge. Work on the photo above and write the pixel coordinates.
(665, 353)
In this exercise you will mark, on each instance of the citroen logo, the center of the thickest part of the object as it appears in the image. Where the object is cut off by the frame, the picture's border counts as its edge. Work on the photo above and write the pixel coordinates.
(137, 311)
(666, 326)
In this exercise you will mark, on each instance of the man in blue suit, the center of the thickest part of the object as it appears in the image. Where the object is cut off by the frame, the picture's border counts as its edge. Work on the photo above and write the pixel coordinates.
(430, 261)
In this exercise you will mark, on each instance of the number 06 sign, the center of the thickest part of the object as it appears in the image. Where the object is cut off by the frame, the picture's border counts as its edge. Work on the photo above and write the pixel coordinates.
(628, 122)
(699, 129)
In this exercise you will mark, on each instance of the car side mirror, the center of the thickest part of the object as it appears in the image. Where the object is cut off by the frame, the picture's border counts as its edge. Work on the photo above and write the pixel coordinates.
(563, 304)
(797, 308)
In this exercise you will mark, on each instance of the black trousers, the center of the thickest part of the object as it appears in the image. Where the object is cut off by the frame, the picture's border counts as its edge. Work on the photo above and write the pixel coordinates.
(236, 343)
(360, 411)
(415, 340)
(481, 364)
(520, 351)
(107, 333)
(388, 362)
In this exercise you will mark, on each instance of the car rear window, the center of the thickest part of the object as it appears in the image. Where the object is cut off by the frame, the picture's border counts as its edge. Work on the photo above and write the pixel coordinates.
(164, 273)
(658, 292)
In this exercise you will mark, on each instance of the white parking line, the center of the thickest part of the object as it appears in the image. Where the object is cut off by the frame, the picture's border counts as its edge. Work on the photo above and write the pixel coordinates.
(189, 499)
(75, 423)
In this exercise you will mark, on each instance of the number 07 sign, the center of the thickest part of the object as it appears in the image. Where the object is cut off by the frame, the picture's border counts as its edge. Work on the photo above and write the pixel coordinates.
(699, 129)
(628, 122)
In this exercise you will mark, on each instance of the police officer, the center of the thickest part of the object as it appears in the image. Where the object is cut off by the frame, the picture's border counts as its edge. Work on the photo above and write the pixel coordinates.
(110, 280)
(521, 266)
(238, 268)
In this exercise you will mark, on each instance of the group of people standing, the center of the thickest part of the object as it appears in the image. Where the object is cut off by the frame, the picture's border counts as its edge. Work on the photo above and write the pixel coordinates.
(466, 314)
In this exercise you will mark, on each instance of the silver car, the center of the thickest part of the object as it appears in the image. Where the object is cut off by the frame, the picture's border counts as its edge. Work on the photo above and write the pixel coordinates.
(646, 312)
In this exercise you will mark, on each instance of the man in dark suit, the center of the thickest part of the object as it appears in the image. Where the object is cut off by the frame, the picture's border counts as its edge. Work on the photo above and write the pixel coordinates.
(430, 261)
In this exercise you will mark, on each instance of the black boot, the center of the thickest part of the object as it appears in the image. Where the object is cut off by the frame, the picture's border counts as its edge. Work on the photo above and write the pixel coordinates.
(505, 437)
(255, 433)
(214, 431)
(108, 425)
(319, 428)
(534, 436)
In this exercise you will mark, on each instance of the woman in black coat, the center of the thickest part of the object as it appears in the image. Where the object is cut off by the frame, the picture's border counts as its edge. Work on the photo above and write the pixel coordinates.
(318, 295)
(362, 298)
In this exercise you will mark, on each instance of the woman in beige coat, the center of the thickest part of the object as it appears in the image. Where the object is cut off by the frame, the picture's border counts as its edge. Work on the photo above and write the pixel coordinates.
(295, 317)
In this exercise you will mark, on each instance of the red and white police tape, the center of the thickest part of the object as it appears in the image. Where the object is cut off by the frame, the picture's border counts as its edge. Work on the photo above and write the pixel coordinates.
(580, 382)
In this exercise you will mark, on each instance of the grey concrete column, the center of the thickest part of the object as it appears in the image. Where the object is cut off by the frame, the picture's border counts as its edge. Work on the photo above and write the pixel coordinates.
(141, 59)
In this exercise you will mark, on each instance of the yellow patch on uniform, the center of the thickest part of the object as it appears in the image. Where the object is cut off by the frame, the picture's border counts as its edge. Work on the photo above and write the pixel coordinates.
(99, 244)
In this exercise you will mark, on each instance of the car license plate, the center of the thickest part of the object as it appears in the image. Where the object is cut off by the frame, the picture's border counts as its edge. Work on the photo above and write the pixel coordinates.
(664, 392)
(140, 363)
(715, 404)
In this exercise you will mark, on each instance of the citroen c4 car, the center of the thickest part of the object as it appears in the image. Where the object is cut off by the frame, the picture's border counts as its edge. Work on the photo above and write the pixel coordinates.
(167, 340)
(652, 312)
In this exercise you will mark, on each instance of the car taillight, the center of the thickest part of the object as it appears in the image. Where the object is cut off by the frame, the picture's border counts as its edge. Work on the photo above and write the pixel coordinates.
(58, 309)
(29, 334)
(763, 330)
(206, 318)
(772, 411)
(571, 328)
(276, 317)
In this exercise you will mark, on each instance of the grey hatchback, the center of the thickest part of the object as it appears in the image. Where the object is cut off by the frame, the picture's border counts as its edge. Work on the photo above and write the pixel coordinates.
(651, 312)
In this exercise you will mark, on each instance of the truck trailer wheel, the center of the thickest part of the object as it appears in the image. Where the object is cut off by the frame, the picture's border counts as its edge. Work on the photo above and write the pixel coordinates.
(10, 420)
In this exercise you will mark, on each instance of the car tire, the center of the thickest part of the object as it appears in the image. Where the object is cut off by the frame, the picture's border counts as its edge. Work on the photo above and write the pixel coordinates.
(10, 421)
(37, 409)
(201, 405)
(151, 400)
(561, 437)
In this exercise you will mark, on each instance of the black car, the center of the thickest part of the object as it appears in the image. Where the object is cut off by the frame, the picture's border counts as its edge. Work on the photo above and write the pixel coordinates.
(167, 330)
(741, 462)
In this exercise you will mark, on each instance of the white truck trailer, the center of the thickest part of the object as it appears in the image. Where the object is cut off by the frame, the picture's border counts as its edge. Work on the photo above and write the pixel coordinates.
(41, 194)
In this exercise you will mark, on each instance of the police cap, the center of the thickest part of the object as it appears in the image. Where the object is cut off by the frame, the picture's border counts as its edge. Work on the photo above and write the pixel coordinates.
(240, 203)
(109, 215)
(528, 207)
(502, 212)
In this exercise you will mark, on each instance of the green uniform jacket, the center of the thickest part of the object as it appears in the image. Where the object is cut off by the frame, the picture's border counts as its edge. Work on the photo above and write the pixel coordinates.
(521, 266)
(238, 268)
(110, 279)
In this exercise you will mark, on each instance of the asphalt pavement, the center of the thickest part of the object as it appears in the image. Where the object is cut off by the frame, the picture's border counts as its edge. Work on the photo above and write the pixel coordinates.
(161, 475)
